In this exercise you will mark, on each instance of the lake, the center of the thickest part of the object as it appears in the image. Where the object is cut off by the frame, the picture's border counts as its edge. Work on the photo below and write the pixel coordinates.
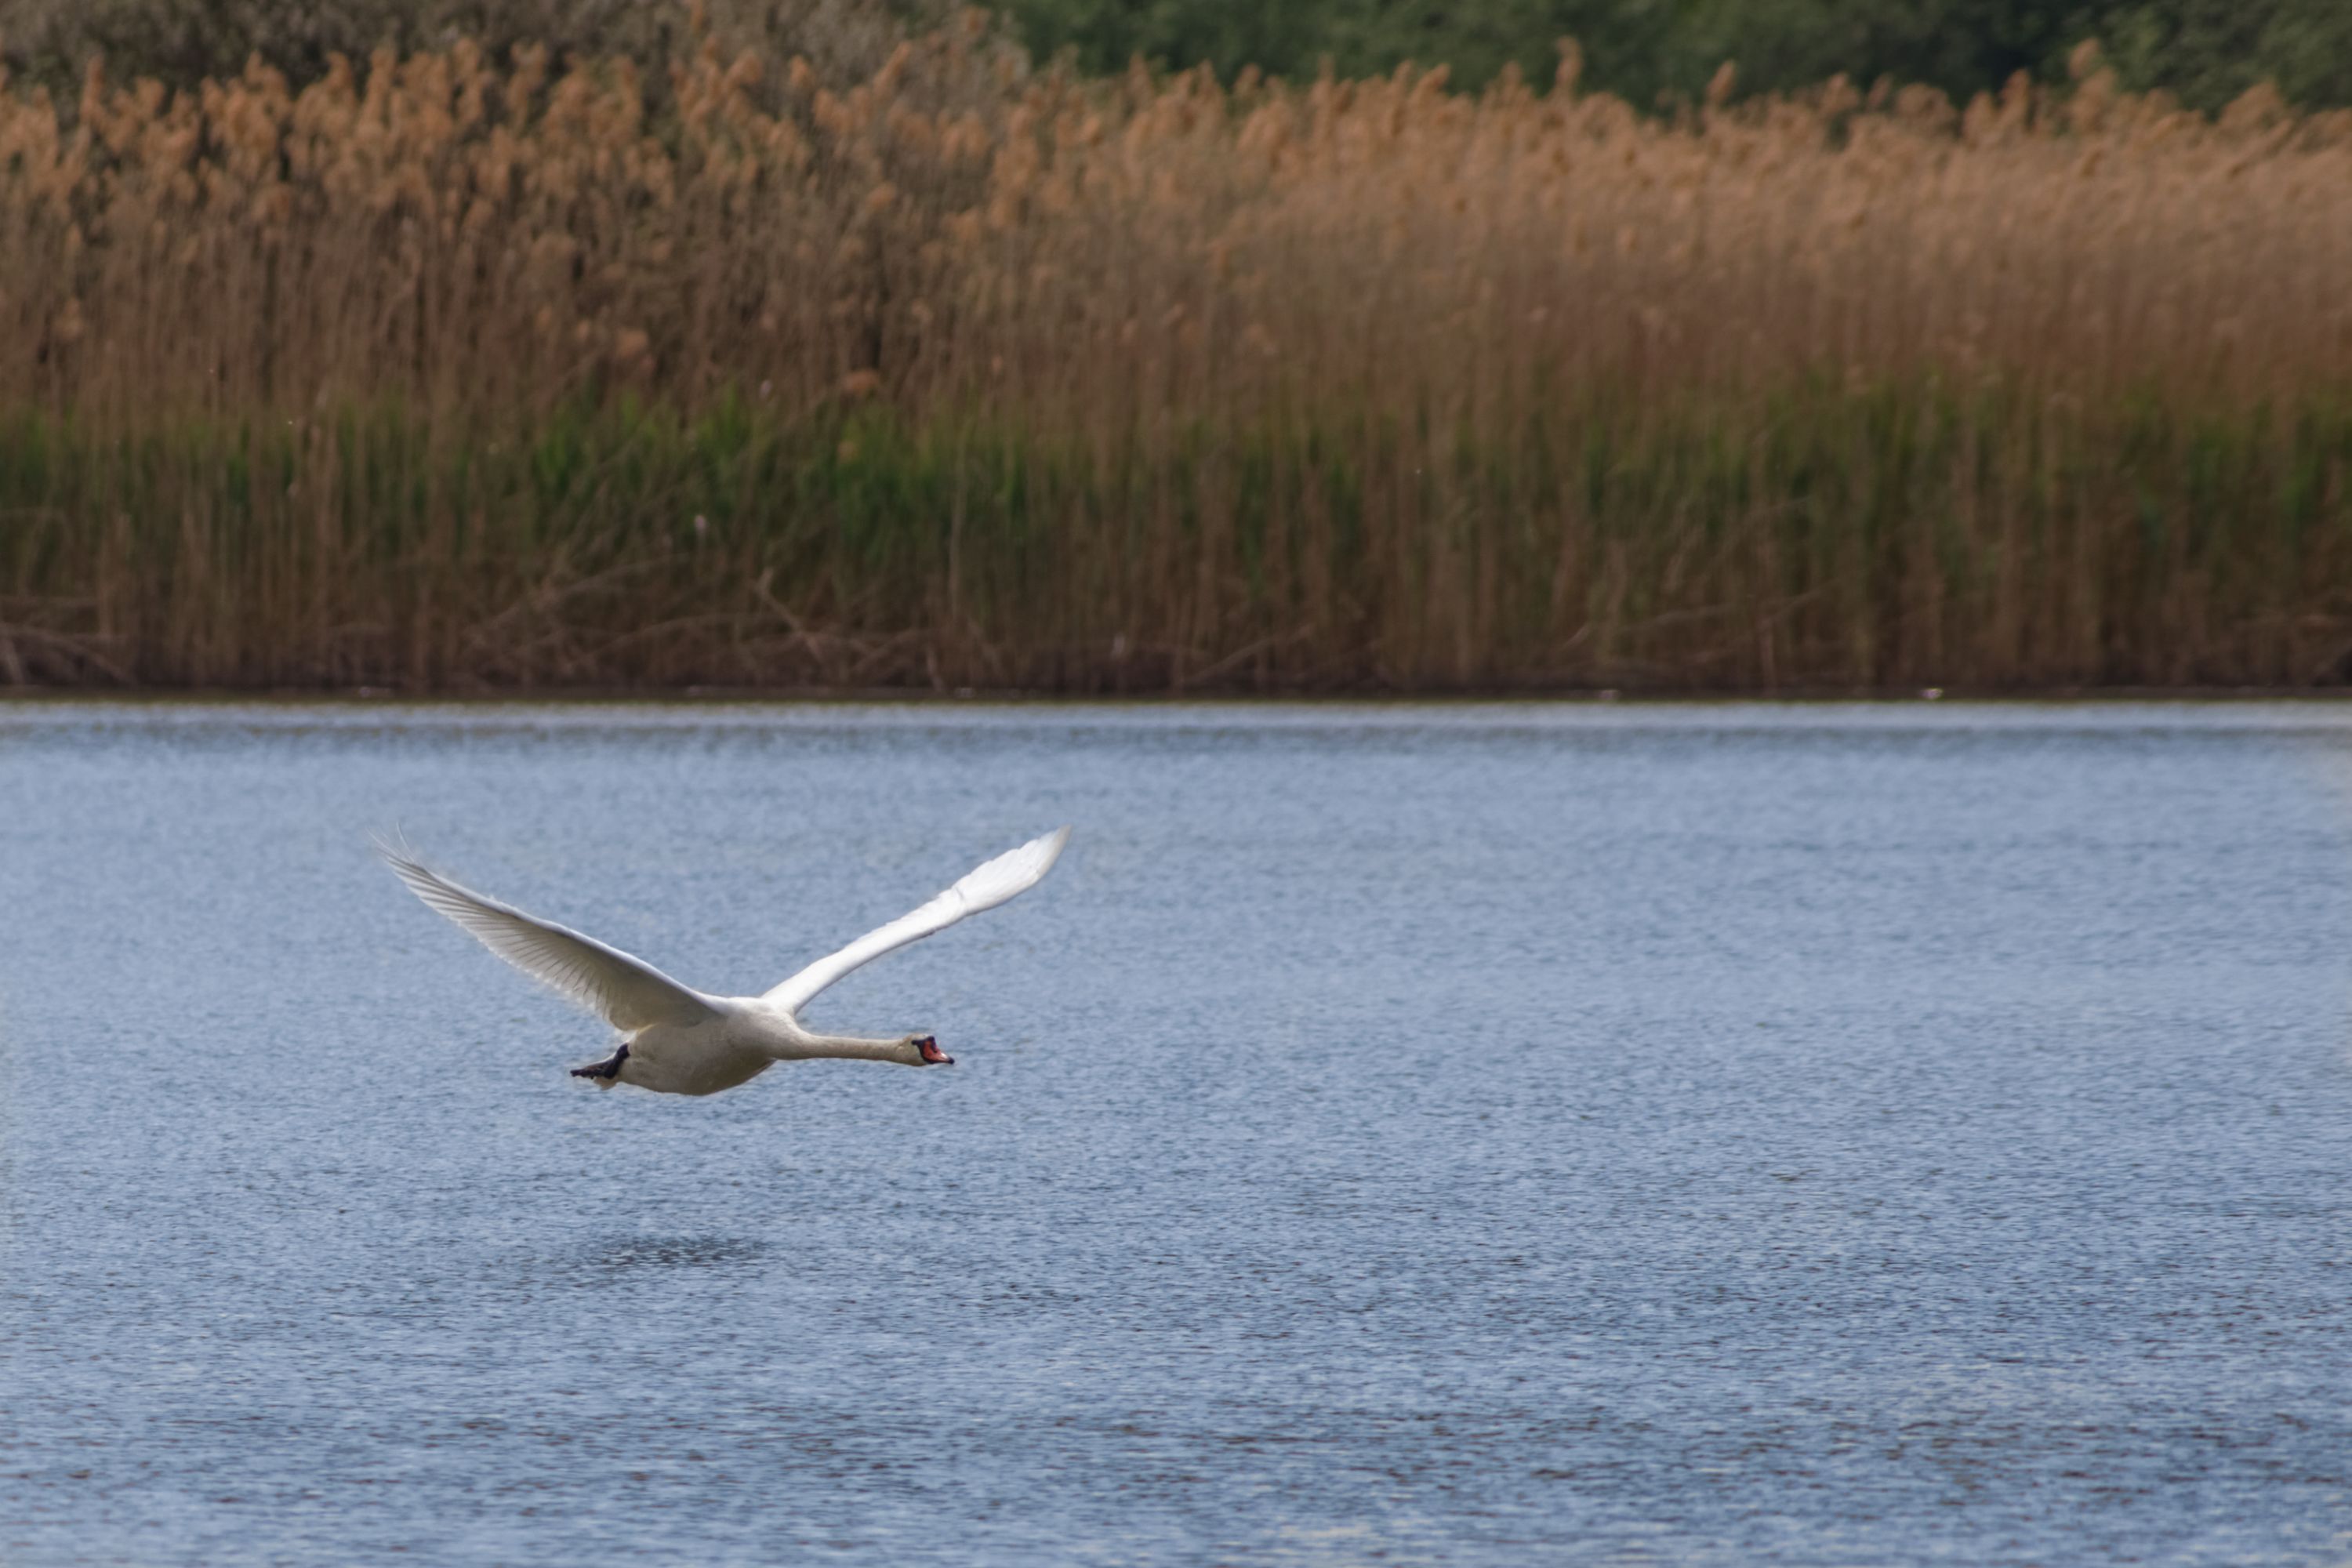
(1480, 1134)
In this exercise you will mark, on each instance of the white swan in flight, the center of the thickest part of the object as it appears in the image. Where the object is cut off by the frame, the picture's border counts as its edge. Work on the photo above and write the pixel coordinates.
(676, 1040)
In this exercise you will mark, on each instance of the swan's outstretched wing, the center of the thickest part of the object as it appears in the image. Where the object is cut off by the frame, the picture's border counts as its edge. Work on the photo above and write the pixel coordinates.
(625, 992)
(1014, 871)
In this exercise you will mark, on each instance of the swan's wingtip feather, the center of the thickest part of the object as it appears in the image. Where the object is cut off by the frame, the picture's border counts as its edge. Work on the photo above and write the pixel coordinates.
(438, 891)
(395, 850)
(1037, 857)
(419, 877)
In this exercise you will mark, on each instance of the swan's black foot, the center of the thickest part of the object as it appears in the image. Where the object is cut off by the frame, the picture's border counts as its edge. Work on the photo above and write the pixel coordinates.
(609, 1069)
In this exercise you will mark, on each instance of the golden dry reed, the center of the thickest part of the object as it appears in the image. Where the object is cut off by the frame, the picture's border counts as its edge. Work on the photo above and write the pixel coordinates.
(447, 372)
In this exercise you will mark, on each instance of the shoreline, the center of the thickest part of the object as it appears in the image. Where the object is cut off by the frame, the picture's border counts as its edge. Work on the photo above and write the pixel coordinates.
(908, 697)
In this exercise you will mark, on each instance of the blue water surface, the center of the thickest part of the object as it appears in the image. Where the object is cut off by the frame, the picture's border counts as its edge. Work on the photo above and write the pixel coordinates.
(1470, 1135)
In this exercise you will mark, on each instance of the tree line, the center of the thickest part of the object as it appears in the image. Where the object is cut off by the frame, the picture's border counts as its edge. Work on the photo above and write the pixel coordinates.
(1653, 53)
(2206, 52)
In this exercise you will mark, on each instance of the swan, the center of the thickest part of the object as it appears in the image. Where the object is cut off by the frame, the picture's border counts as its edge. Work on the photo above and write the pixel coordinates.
(677, 1040)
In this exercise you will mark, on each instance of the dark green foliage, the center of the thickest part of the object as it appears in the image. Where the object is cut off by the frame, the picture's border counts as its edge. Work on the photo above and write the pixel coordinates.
(1629, 44)
(2209, 51)
(182, 42)
(2205, 51)
(1962, 46)
(1649, 51)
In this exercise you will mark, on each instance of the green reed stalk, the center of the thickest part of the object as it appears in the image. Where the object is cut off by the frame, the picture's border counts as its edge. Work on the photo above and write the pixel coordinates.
(1818, 537)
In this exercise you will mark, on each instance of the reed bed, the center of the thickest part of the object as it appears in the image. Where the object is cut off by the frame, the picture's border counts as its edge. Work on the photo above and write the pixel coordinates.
(446, 373)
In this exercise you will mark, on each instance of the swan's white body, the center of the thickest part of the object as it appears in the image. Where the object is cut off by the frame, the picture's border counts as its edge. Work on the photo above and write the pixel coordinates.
(678, 1040)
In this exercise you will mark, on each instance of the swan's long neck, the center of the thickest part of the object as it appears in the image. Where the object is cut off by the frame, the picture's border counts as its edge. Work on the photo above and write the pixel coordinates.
(857, 1048)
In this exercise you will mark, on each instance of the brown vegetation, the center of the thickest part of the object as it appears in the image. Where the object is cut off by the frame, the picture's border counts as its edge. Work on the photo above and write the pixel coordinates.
(450, 372)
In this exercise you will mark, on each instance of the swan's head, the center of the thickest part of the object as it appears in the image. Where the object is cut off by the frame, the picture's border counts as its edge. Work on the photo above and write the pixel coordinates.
(928, 1053)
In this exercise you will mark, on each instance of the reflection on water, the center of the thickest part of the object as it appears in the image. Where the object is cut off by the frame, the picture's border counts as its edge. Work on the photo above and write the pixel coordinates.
(603, 1264)
(1712, 1134)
